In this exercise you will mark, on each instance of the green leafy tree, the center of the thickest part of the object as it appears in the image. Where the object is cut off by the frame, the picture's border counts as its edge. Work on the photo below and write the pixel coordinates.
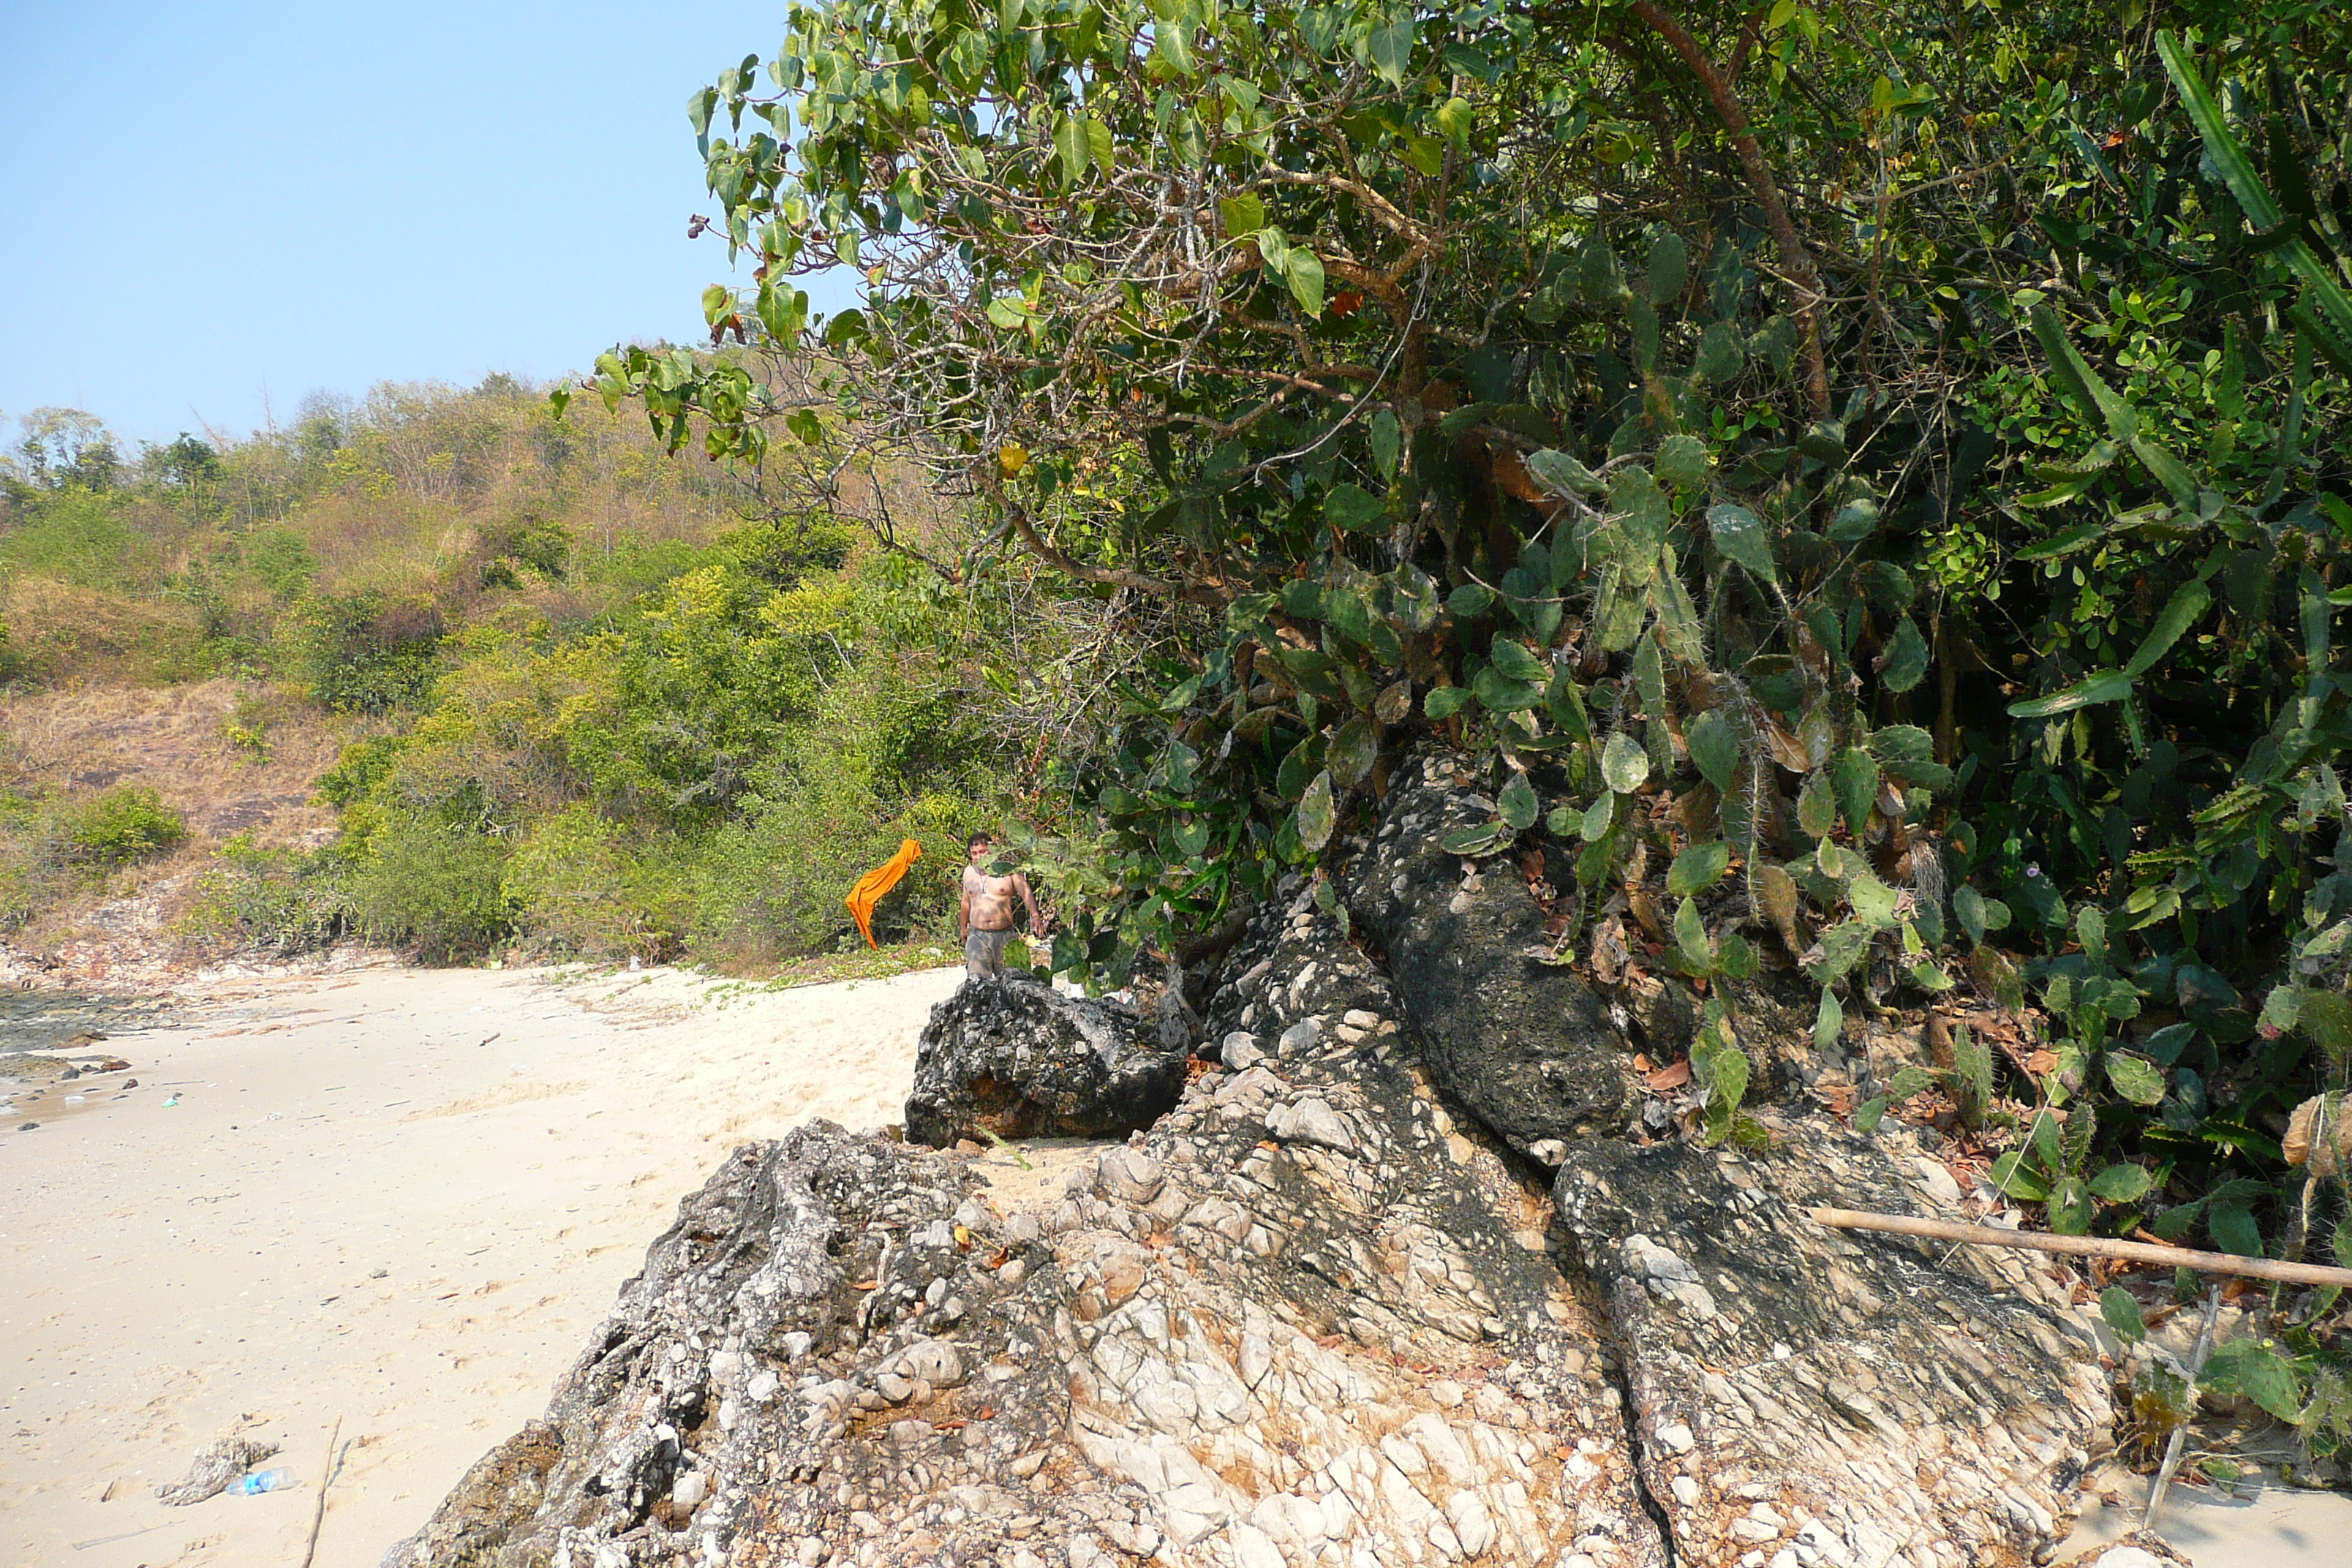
(1866, 480)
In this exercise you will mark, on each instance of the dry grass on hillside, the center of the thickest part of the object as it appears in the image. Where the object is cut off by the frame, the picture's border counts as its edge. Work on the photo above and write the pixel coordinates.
(231, 756)
(62, 630)
(176, 741)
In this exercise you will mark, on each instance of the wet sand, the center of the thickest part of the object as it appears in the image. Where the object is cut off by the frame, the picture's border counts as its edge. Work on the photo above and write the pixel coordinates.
(399, 1197)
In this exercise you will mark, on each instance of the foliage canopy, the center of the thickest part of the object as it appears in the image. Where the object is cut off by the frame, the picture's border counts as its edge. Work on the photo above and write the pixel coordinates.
(1867, 480)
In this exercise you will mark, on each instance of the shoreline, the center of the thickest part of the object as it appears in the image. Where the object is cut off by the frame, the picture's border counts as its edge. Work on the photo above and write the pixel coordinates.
(399, 1196)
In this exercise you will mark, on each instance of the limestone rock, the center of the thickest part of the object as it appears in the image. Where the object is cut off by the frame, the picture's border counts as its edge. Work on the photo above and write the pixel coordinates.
(1021, 1061)
(1793, 1384)
(1239, 1351)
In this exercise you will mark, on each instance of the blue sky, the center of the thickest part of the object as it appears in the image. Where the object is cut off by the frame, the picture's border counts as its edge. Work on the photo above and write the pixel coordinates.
(208, 211)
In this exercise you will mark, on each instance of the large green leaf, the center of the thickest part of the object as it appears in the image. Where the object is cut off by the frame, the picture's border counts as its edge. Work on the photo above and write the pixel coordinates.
(1563, 475)
(1829, 1022)
(1817, 807)
(2121, 1310)
(1317, 812)
(1683, 460)
(1740, 536)
(1624, 765)
(1392, 50)
(1302, 270)
(1353, 752)
(2141, 1082)
(1444, 701)
(1714, 749)
(1690, 938)
(1511, 657)
(2121, 1185)
(1517, 805)
(2101, 686)
(1354, 508)
(1171, 40)
(1501, 694)
(1698, 868)
(1855, 777)
(2180, 612)
(1905, 662)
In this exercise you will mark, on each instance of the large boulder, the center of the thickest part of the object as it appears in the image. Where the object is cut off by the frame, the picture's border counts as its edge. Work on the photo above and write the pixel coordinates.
(1313, 1315)
(1018, 1059)
(1529, 1050)
(1307, 1318)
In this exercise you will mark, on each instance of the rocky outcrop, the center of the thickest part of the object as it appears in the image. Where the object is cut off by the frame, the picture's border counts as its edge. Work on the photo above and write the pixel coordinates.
(1021, 1061)
(1793, 1389)
(1315, 1313)
(1307, 1318)
(1531, 1051)
(1794, 1386)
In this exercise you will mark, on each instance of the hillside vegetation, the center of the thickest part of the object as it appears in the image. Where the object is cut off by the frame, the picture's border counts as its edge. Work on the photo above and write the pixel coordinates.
(560, 692)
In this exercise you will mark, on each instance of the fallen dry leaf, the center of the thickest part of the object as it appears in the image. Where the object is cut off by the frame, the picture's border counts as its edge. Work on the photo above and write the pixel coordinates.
(1668, 1077)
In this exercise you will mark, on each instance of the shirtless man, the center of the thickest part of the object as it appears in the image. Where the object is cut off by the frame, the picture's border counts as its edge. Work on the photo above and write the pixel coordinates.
(984, 919)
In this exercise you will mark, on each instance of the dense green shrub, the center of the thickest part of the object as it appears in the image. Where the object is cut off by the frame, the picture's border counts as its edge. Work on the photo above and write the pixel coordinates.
(772, 886)
(121, 825)
(367, 652)
(431, 886)
(276, 901)
(82, 537)
(584, 885)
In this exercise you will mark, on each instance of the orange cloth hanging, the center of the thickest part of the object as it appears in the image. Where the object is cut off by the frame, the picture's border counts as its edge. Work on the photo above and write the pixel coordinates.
(877, 883)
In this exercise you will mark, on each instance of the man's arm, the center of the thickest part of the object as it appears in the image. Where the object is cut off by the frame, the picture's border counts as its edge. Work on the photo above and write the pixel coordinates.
(1037, 920)
(963, 911)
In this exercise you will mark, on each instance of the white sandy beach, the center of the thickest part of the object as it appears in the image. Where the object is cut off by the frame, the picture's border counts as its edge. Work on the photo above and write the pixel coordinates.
(399, 1197)
(403, 1198)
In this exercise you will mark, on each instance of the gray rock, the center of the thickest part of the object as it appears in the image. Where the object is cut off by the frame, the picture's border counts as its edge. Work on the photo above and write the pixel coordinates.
(1130, 1175)
(1300, 1356)
(1160, 1379)
(1021, 1061)
(1311, 1120)
(1837, 1369)
(1528, 1048)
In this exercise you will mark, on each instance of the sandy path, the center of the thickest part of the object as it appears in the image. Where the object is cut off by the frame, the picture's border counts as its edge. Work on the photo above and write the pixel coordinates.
(401, 1197)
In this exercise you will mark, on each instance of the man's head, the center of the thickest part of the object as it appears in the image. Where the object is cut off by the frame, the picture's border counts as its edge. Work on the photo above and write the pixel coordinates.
(980, 847)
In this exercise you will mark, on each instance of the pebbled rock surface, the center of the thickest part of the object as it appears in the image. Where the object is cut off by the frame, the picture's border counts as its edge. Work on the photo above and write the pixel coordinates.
(1798, 1387)
(1021, 1061)
(1532, 1051)
(1307, 1318)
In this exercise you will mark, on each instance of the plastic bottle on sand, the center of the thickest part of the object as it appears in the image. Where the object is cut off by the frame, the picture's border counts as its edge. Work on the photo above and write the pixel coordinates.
(263, 1481)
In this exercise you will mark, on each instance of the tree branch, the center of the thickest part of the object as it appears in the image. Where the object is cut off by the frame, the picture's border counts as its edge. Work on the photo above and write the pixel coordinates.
(1110, 576)
(1794, 257)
